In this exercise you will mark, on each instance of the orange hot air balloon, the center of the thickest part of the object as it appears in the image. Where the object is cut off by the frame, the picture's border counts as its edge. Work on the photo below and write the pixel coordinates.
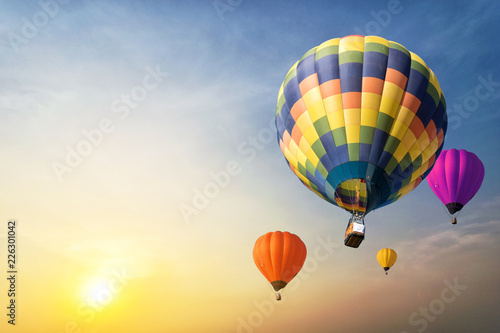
(279, 256)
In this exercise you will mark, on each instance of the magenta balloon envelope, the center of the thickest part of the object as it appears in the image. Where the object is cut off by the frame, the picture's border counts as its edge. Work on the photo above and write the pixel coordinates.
(456, 177)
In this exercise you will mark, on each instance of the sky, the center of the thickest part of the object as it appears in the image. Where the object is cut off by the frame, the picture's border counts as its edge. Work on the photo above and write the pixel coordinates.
(140, 163)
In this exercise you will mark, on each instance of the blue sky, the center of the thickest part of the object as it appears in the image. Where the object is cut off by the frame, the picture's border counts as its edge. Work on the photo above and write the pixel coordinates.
(160, 101)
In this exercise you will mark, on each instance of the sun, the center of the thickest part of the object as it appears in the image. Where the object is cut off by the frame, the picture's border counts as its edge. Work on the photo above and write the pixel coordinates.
(98, 293)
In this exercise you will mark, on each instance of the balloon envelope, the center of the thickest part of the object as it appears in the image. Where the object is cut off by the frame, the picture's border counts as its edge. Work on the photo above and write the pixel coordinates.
(279, 256)
(456, 177)
(360, 121)
(386, 258)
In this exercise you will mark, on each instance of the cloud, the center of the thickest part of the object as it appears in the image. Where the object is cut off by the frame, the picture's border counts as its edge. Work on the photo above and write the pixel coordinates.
(453, 245)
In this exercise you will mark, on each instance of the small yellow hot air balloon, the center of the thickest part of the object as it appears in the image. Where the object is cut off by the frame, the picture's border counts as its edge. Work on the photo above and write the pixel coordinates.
(386, 258)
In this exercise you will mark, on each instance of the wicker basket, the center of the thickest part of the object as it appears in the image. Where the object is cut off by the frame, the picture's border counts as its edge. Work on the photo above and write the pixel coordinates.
(354, 234)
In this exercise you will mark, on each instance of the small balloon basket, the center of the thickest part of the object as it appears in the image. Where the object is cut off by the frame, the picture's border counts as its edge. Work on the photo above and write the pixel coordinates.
(355, 232)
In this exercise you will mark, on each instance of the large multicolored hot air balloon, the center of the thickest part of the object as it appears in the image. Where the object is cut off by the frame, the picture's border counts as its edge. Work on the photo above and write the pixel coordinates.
(387, 258)
(455, 179)
(360, 121)
(279, 256)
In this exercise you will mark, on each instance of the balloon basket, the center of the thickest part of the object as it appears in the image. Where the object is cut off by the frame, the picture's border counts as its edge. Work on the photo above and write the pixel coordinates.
(355, 232)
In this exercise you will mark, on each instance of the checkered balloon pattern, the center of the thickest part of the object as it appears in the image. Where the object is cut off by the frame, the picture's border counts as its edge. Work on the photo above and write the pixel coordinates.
(361, 121)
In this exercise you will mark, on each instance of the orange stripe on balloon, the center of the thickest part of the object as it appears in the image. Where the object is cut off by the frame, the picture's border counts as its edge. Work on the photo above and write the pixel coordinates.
(286, 138)
(351, 100)
(308, 83)
(295, 258)
(298, 109)
(432, 159)
(265, 258)
(417, 181)
(288, 256)
(440, 137)
(431, 130)
(373, 85)
(417, 127)
(296, 134)
(411, 102)
(276, 253)
(330, 88)
(396, 77)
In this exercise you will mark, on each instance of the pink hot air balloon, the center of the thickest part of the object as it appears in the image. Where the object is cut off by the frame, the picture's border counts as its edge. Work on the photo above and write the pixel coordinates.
(455, 179)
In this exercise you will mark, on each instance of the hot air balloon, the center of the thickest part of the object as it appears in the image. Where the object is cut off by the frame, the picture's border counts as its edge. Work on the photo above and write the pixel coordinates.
(360, 121)
(455, 179)
(386, 258)
(279, 256)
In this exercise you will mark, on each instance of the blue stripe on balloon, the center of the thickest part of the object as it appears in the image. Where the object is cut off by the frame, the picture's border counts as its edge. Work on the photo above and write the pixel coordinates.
(379, 139)
(358, 169)
(331, 150)
(325, 160)
(280, 126)
(328, 68)
(306, 67)
(396, 174)
(407, 172)
(321, 180)
(426, 109)
(289, 123)
(335, 177)
(384, 183)
(292, 92)
(330, 190)
(374, 64)
(347, 170)
(364, 151)
(362, 166)
(343, 153)
(384, 159)
(353, 166)
(351, 77)
(417, 84)
(312, 178)
(281, 117)
(439, 117)
(372, 172)
(399, 61)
